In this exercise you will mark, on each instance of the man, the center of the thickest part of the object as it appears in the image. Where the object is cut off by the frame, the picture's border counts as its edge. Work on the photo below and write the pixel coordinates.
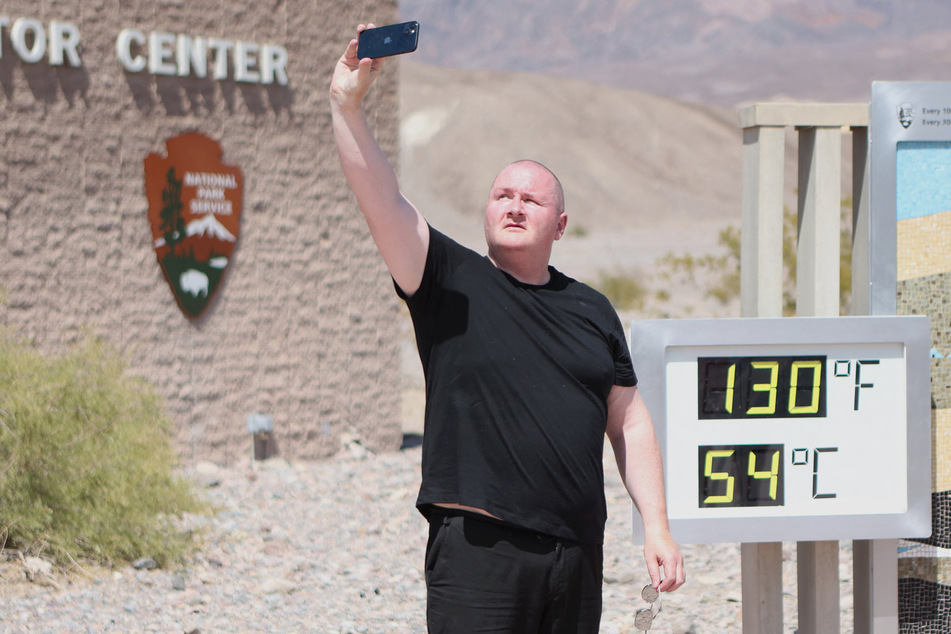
(526, 371)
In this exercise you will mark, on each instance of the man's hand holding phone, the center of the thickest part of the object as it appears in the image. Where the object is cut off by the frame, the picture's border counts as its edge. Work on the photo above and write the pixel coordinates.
(352, 77)
(394, 39)
(363, 59)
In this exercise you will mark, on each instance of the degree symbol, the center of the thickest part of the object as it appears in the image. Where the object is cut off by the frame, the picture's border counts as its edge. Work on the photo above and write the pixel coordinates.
(800, 457)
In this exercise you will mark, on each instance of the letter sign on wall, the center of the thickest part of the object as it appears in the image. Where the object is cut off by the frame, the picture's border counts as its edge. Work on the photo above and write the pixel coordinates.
(195, 212)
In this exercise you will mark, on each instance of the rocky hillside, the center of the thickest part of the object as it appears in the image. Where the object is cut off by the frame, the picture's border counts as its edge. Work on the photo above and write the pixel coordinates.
(643, 175)
(633, 104)
(705, 51)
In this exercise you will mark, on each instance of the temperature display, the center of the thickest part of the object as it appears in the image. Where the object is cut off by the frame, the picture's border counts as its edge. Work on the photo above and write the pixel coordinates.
(761, 387)
(741, 475)
(791, 428)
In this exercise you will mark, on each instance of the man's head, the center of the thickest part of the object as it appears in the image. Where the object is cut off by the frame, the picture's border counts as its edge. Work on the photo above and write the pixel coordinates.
(525, 213)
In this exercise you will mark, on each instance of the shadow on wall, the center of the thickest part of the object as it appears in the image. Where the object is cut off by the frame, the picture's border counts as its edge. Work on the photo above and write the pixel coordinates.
(182, 96)
(46, 83)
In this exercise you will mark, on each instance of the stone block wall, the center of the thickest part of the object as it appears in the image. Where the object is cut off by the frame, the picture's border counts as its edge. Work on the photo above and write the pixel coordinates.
(304, 327)
(924, 288)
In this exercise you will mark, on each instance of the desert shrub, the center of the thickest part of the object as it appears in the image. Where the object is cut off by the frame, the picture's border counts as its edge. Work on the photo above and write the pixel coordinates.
(87, 470)
(719, 273)
(624, 290)
(577, 231)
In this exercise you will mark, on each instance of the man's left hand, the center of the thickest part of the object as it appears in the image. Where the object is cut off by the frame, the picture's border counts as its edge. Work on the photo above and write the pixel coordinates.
(661, 551)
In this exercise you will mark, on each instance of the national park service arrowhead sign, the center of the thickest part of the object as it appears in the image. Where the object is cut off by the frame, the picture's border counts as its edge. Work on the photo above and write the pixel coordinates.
(195, 214)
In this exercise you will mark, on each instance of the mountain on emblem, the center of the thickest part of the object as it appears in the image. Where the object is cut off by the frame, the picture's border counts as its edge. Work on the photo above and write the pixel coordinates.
(209, 225)
(194, 213)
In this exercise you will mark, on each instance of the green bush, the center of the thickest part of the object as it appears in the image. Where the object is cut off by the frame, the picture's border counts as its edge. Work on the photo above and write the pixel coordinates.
(720, 274)
(86, 463)
(624, 289)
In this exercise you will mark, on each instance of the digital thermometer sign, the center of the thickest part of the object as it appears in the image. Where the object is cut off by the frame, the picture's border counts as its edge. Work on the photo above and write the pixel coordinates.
(790, 429)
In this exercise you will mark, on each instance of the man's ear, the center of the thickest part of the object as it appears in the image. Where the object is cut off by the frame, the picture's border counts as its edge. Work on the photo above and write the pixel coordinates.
(562, 224)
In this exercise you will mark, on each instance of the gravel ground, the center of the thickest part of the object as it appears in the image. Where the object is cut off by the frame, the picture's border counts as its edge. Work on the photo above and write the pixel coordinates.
(337, 546)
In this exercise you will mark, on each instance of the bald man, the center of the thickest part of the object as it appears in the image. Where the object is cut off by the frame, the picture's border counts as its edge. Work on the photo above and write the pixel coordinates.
(526, 372)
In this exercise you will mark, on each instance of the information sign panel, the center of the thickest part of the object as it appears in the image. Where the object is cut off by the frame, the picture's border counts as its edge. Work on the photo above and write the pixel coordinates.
(910, 143)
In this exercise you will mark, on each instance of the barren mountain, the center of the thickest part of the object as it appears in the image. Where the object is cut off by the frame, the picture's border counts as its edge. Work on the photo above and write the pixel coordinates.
(705, 51)
(633, 104)
(643, 175)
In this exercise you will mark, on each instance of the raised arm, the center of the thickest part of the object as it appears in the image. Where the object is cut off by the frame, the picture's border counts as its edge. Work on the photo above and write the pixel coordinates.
(399, 230)
(631, 432)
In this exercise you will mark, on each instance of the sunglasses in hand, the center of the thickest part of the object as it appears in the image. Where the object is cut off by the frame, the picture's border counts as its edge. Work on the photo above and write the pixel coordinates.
(644, 617)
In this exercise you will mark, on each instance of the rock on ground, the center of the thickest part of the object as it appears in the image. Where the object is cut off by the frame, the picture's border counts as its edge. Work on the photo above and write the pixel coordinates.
(337, 546)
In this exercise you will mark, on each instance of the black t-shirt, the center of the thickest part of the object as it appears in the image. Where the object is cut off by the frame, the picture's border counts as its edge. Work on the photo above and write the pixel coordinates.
(517, 378)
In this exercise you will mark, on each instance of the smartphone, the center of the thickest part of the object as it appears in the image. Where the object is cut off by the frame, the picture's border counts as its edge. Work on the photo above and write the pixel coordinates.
(384, 41)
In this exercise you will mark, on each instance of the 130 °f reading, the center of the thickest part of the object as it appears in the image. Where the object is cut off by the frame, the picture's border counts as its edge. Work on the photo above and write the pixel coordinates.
(761, 387)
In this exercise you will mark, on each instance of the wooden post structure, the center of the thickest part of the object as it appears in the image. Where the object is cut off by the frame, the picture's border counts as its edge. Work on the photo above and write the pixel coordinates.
(761, 295)
(820, 128)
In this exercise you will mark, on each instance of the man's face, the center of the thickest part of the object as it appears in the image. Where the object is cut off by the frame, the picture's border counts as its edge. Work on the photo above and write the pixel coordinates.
(525, 210)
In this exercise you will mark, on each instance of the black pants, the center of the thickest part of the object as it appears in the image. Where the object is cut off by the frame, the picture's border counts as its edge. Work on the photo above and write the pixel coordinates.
(484, 576)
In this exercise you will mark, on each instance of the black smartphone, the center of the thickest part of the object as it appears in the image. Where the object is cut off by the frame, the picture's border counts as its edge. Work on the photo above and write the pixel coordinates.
(384, 41)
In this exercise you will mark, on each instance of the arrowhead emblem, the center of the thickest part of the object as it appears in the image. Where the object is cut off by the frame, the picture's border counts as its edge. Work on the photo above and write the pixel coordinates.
(195, 213)
(906, 114)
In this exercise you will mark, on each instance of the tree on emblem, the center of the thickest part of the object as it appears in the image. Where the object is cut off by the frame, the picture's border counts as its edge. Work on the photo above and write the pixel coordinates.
(173, 224)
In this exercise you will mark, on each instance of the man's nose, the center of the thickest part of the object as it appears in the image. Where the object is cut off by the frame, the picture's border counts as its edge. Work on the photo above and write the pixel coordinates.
(515, 206)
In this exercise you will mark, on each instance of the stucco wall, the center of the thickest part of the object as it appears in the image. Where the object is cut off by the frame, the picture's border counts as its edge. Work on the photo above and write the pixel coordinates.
(304, 327)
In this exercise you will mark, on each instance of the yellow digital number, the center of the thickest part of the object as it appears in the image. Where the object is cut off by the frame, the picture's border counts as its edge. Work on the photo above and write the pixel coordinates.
(770, 408)
(815, 365)
(710, 474)
(730, 385)
(772, 475)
